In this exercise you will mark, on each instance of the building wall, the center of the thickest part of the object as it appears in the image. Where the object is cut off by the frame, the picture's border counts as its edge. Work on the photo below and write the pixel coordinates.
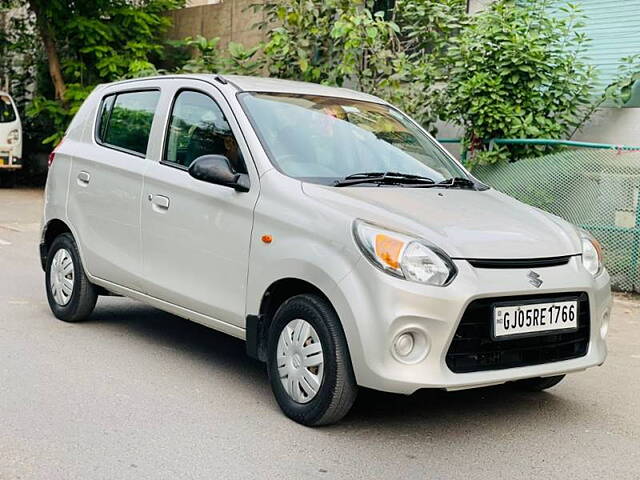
(477, 5)
(620, 126)
(197, 3)
(231, 20)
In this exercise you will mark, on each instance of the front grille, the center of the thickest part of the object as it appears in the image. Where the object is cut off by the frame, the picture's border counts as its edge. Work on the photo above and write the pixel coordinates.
(518, 262)
(472, 348)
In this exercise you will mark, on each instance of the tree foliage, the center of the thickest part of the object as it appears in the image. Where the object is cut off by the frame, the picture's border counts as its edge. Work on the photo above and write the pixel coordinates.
(95, 41)
(346, 43)
(518, 71)
(207, 57)
(428, 26)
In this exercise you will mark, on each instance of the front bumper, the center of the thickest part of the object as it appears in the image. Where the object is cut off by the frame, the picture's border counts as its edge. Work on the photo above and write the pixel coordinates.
(375, 307)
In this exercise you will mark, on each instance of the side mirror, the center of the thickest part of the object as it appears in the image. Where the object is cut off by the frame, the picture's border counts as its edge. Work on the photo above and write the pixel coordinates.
(217, 169)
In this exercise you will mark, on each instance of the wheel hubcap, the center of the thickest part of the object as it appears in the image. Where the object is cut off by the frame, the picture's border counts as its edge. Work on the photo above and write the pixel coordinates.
(61, 277)
(300, 360)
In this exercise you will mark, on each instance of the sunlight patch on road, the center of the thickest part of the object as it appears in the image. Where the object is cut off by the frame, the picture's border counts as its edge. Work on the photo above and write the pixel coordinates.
(20, 227)
(19, 302)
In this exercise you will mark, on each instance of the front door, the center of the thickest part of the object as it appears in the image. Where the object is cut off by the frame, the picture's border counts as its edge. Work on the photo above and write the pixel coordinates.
(196, 235)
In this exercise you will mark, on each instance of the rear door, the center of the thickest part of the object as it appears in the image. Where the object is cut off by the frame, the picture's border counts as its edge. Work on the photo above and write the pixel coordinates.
(105, 184)
(196, 235)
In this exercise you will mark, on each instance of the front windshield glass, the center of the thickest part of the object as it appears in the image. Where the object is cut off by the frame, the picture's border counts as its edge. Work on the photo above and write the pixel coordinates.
(325, 139)
(7, 112)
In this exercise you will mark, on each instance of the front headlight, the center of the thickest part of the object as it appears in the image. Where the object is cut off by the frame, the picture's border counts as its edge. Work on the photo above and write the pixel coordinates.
(591, 253)
(13, 137)
(404, 256)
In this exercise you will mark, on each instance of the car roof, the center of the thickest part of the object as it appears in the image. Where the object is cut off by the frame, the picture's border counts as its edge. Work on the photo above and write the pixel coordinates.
(277, 85)
(265, 84)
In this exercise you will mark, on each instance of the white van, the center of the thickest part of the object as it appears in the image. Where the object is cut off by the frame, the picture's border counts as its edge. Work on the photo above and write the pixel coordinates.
(325, 228)
(10, 134)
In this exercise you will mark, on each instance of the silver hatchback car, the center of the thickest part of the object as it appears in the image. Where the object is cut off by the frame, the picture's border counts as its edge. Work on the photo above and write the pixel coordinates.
(325, 228)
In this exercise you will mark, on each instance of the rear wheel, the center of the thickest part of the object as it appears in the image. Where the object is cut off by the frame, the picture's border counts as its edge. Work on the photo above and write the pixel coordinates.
(308, 362)
(70, 294)
(538, 384)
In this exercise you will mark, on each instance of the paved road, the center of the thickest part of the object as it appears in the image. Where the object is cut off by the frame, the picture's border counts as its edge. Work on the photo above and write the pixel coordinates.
(136, 393)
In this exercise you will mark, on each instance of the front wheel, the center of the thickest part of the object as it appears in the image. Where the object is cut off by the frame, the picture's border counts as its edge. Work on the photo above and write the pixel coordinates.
(539, 383)
(308, 362)
(70, 294)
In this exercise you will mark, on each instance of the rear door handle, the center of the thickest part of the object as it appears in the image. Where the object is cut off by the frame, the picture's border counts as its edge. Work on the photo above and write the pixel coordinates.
(84, 178)
(159, 201)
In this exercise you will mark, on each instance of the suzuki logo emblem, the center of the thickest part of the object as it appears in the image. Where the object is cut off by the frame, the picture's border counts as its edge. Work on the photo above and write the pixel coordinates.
(534, 279)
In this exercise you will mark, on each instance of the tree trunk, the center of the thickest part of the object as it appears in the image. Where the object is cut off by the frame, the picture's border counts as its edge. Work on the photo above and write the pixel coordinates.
(50, 49)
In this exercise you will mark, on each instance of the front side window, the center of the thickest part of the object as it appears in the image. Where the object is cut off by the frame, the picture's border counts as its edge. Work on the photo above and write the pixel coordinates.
(7, 112)
(198, 127)
(325, 139)
(126, 118)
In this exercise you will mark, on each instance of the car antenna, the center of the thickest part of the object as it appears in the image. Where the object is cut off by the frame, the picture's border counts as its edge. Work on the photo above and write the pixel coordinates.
(221, 79)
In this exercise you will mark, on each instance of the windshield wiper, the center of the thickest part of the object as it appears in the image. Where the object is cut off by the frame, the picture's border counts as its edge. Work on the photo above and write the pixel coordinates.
(380, 178)
(457, 182)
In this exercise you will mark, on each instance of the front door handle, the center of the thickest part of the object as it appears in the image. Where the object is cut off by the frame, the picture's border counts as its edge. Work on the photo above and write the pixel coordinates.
(84, 178)
(159, 201)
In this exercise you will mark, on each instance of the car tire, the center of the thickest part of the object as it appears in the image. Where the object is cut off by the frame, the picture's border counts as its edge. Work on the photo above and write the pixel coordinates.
(311, 318)
(70, 294)
(539, 383)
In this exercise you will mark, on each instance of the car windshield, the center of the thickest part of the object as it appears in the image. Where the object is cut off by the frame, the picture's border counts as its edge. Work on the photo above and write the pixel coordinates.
(325, 139)
(7, 112)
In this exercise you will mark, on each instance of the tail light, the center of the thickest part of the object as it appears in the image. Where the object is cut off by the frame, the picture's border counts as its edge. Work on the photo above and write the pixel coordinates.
(52, 155)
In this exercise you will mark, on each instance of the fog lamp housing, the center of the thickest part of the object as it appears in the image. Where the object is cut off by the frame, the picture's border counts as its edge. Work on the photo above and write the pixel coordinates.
(410, 346)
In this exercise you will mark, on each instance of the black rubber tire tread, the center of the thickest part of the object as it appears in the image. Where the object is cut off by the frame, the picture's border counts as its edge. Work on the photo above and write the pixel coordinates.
(338, 390)
(538, 384)
(84, 295)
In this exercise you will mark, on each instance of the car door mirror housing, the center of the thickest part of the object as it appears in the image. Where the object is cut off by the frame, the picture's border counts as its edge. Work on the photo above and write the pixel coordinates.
(217, 169)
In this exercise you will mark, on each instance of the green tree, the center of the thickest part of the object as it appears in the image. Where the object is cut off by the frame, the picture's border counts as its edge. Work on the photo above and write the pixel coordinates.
(426, 30)
(207, 57)
(428, 26)
(518, 71)
(347, 43)
(91, 42)
(46, 19)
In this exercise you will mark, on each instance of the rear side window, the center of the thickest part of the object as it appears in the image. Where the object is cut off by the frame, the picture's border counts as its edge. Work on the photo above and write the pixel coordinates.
(126, 118)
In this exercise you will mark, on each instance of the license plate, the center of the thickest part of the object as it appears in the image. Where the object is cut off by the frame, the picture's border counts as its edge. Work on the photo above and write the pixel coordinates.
(534, 318)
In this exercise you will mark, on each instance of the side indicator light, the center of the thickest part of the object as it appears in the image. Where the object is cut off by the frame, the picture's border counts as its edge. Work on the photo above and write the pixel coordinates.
(388, 249)
(267, 239)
